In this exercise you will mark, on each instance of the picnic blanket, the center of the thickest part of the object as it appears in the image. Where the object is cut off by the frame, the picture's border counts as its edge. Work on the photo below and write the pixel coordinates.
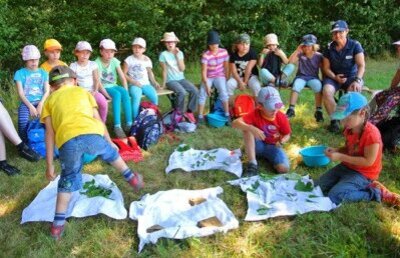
(180, 214)
(188, 159)
(42, 208)
(281, 195)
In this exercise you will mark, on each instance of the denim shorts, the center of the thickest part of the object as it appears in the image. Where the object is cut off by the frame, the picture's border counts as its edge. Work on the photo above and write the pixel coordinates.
(71, 159)
(338, 86)
(273, 154)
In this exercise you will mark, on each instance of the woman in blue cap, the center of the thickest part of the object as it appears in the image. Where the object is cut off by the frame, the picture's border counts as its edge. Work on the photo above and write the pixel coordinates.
(343, 67)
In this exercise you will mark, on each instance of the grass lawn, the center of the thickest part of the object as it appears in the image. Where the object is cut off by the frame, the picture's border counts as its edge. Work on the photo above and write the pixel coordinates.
(353, 230)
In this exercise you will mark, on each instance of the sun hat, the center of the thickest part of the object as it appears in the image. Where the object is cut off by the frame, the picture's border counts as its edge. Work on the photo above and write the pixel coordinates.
(243, 38)
(139, 41)
(83, 45)
(270, 99)
(396, 42)
(30, 52)
(52, 44)
(108, 44)
(271, 39)
(60, 72)
(213, 38)
(348, 103)
(170, 37)
(339, 25)
(309, 40)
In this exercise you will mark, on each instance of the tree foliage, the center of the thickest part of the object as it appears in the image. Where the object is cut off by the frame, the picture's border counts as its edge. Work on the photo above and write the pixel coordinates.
(375, 23)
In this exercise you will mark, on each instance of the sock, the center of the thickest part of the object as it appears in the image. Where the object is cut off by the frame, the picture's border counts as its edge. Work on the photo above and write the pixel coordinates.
(128, 175)
(201, 116)
(59, 219)
(291, 107)
(319, 109)
(253, 162)
(226, 113)
(118, 125)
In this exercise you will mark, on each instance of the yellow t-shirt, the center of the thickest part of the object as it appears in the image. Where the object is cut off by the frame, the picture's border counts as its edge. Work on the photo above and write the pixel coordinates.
(71, 112)
(47, 67)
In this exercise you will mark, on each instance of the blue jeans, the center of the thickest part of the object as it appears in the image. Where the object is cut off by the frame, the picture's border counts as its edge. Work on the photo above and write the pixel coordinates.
(220, 84)
(273, 154)
(120, 96)
(136, 95)
(71, 159)
(344, 184)
(181, 89)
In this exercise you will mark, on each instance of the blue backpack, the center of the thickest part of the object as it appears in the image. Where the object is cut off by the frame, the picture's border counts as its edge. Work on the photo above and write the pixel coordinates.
(36, 138)
(147, 127)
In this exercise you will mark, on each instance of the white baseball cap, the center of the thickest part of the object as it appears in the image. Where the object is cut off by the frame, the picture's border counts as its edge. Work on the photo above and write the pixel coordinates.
(270, 99)
(396, 43)
(83, 45)
(30, 52)
(139, 41)
(108, 44)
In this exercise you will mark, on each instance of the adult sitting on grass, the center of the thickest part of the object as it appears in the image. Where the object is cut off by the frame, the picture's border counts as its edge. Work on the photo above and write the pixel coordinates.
(343, 66)
(74, 125)
(265, 130)
(7, 129)
(361, 157)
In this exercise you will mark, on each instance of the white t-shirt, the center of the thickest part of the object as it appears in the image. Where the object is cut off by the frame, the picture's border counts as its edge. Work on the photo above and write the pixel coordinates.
(137, 69)
(84, 74)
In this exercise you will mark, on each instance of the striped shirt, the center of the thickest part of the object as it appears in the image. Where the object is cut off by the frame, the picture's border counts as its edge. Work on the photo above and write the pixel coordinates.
(215, 62)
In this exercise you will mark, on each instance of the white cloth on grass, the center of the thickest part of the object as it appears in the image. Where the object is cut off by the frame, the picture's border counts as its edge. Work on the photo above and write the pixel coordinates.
(275, 196)
(42, 208)
(195, 160)
(172, 211)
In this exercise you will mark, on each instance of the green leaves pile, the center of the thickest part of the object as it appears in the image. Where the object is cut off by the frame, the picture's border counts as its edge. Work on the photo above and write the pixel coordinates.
(304, 187)
(93, 190)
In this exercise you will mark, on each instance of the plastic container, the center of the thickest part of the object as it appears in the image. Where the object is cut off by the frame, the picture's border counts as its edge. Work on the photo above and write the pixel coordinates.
(314, 156)
(216, 120)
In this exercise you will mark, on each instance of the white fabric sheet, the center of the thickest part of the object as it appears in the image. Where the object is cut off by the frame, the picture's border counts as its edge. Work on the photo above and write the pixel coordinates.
(277, 196)
(195, 160)
(42, 208)
(171, 210)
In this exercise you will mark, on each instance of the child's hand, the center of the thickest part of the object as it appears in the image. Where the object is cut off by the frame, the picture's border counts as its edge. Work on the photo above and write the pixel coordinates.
(279, 52)
(258, 134)
(335, 156)
(330, 150)
(208, 90)
(265, 51)
(340, 78)
(32, 111)
(157, 85)
(39, 108)
(176, 51)
(50, 174)
(242, 85)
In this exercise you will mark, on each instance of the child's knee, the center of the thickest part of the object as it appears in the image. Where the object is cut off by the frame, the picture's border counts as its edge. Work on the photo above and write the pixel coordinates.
(281, 168)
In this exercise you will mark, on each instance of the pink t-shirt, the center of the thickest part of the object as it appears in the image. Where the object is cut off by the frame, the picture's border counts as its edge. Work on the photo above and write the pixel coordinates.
(274, 129)
(215, 63)
(355, 147)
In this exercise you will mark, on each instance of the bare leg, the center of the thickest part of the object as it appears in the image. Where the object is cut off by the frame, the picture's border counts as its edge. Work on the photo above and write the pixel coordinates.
(250, 146)
(328, 98)
(293, 97)
(318, 99)
(62, 202)
(7, 126)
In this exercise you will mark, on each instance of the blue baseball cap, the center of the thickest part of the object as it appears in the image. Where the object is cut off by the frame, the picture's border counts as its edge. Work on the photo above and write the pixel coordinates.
(349, 103)
(309, 40)
(339, 25)
(269, 98)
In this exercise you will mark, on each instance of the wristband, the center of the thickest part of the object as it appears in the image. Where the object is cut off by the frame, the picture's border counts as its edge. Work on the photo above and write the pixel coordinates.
(358, 79)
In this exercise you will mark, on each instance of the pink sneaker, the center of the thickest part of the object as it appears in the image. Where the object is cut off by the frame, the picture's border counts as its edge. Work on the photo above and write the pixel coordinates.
(388, 197)
(56, 232)
(136, 181)
(190, 116)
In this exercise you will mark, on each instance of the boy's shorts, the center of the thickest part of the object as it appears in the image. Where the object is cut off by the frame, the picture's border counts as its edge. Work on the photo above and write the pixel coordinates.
(338, 86)
(71, 159)
(273, 154)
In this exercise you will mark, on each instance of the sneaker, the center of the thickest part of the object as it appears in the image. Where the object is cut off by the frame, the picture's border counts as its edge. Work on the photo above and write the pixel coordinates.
(388, 197)
(127, 129)
(319, 117)
(282, 81)
(290, 113)
(8, 169)
(56, 232)
(119, 133)
(334, 127)
(251, 170)
(27, 153)
(136, 181)
(190, 117)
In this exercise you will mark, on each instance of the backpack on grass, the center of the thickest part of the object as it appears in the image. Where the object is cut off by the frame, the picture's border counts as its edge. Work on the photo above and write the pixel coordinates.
(147, 127)
(36, 135)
